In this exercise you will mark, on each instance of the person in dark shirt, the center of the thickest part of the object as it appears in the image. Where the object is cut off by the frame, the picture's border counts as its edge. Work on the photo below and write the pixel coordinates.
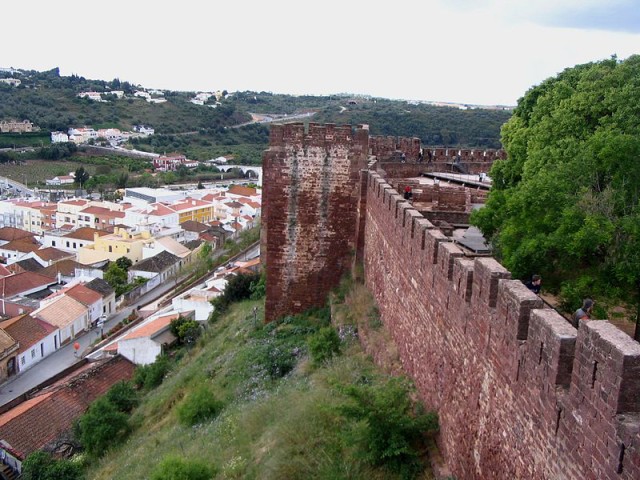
(583, 313)
(534, 284)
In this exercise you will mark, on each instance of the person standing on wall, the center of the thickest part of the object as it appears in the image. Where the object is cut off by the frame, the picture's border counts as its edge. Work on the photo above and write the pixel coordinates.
(534, 284)
(583, 313)
(408, 193)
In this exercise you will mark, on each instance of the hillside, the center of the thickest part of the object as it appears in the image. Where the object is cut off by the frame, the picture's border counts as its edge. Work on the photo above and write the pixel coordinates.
(50, 101)
(270, 402)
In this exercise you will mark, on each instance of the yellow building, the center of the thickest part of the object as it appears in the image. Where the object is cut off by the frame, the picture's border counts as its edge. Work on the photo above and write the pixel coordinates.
(193, 209)
(122, 243)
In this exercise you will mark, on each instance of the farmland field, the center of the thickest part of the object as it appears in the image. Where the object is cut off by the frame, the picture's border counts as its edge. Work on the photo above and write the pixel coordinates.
(35, 172)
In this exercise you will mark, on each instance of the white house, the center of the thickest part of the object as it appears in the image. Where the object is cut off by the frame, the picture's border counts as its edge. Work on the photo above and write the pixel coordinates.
(59, 137)
(67, 314)
(145, 344)
(89, 298)
(197, 299)
(37, 339)
(60, 180)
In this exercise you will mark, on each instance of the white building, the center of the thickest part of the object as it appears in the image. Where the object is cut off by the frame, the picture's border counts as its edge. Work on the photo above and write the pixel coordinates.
(37, 339)
(59, 137)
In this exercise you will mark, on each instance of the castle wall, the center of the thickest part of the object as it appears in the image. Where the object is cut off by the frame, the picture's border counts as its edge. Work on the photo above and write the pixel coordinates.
(520, 392)
(311, 198)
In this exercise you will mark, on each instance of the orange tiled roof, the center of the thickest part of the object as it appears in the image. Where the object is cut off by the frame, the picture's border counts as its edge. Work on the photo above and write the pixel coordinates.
(102, 211)
(61, 312)
(82, 294)
(22, 282)
(64, 267)
(152, 327)
(241, 190)
(52, 253)
(85, 233)
(27, 330)
(23, 245)
(39, 421)
(9, 233)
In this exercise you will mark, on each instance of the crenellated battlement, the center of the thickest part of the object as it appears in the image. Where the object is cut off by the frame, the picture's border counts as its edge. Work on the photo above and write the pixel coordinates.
(520, 392)
(573, 382)
(318, 135)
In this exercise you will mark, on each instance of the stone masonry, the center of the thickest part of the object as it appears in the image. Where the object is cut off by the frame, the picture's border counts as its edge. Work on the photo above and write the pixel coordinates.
(310, 200)
(520, 393)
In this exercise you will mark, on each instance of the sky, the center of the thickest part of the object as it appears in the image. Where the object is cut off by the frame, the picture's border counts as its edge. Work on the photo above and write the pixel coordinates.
(486, 52)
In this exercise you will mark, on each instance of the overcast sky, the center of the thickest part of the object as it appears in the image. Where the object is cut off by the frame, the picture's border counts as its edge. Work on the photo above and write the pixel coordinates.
(470, 51)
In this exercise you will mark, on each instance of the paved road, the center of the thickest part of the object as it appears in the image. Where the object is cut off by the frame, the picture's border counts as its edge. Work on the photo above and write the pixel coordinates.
(66, 356)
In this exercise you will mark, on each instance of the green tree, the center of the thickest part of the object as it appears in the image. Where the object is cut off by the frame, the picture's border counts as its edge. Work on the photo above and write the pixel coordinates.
(116, 277)
(124, 263)
(40, 465)
(102, 427)
(81, 176)
(565, 202)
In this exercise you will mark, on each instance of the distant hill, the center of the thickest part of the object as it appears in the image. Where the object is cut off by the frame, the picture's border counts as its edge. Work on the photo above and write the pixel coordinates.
(52, 103)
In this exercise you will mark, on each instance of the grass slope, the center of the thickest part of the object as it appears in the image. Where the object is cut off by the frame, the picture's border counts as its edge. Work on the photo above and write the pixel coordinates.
(283, 417)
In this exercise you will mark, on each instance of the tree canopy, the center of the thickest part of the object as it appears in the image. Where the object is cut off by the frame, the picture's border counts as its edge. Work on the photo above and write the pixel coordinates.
(565, 201)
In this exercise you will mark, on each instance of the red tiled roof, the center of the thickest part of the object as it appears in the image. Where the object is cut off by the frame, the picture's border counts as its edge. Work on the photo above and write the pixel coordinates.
(27, 330)
(9, 233)
(61, 312)
(85, 233)
(77, 201)
(23, 245)
(154, 326)
(65, 267)
(21, 282)
(160, 210)
(39, 421)
(4, 272)
(189, 203)
(82, 294)
(103, 211)
(51, 253)
(244, 191)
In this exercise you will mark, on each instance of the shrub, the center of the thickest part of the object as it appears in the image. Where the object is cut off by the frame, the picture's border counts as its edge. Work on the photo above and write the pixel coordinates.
(186, 331)
(177, 468)
(101, 427)
(150, 376)
(199, 406)
(390, 427)
(42, 466)
(323, 345)
(123, 396)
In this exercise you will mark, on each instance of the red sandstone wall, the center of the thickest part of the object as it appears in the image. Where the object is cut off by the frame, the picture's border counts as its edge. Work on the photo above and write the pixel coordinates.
(311, 193)
(520, 392)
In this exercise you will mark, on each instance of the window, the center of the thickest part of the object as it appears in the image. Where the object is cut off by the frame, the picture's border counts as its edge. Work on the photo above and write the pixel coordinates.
(67, 244)
(74, 244)
(22, 360)
(42, 349)
(110, 249)
(33, 353)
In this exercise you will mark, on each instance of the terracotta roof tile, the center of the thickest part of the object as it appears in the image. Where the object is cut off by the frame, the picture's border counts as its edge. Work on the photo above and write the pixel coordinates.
(61, 312)
(22, 282)
(52, 253)
(37, 422)
(244, 191)
(9, 233)
(64, 267)
(22, 245)
(86, 233)
(27, 330)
